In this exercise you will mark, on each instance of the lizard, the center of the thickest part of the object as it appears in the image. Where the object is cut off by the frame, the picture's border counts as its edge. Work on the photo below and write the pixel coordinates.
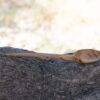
(80, 56)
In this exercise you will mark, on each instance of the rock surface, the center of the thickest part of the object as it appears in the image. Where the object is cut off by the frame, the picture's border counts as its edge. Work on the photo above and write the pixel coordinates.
(45, 79)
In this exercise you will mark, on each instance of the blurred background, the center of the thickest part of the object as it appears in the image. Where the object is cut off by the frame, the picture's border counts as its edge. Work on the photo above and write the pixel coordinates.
(53, 26)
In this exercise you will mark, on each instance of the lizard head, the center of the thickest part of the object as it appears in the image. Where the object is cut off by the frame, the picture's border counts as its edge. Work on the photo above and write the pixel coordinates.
(87, 55)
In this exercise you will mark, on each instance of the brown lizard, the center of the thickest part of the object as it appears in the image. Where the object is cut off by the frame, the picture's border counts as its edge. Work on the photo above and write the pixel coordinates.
(80, 56)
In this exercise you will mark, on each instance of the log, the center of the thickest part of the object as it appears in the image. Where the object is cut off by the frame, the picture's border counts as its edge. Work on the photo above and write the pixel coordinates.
(47, 79)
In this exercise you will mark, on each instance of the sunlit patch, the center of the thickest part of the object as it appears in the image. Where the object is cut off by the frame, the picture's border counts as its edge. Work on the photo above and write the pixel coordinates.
(52, 26)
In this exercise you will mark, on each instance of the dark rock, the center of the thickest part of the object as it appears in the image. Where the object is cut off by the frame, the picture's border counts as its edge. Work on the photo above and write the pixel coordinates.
(43, 79)
(12, 50)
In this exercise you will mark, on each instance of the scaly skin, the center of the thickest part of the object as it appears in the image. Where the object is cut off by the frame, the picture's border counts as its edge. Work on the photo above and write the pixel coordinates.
(80, 56)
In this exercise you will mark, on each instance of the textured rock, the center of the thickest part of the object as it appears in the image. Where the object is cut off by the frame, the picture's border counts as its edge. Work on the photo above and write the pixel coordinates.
(42, 79)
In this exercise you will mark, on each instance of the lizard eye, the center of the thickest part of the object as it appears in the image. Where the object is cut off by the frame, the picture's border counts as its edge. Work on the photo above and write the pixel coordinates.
(78, 60)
